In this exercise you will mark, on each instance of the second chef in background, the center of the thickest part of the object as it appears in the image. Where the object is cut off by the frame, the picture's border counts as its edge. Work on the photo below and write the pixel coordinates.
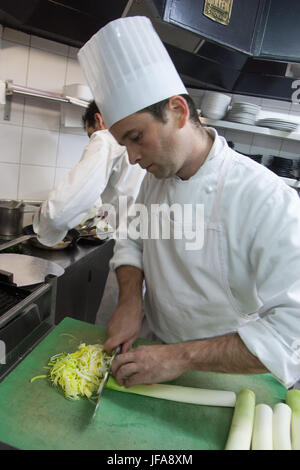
(102, 175)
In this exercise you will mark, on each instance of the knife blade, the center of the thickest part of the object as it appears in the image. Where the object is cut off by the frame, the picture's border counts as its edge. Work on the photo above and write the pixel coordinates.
(103, 383)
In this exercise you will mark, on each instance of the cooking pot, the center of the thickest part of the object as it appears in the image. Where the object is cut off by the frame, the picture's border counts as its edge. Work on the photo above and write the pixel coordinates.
(11, 216)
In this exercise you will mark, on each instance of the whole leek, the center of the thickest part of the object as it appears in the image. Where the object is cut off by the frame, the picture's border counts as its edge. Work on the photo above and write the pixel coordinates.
(292, 399)
(240, 433)
(196, 396)
(282, 427)
(262, 437)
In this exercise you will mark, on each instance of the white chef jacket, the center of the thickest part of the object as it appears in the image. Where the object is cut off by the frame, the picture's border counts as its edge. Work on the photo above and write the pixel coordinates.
(256, 254)
(104, 173)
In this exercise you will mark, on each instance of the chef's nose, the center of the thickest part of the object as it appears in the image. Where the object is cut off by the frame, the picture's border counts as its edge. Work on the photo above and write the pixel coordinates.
(134, 156)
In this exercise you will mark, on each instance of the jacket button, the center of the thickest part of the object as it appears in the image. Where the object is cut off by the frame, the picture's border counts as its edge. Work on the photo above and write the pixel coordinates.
(209, 189)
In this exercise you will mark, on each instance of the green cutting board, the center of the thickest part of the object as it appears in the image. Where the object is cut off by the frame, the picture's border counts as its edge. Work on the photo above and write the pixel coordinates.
(37, 416)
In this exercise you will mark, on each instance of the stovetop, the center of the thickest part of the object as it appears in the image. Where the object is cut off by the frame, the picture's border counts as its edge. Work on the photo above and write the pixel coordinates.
(10, 296)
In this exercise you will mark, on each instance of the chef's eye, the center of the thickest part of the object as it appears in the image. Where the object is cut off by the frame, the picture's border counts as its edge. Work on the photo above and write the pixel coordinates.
(137, 137)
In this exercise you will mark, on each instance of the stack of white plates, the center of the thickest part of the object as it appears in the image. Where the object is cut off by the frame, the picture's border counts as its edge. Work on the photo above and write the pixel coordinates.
(278, 124)
(244, 113)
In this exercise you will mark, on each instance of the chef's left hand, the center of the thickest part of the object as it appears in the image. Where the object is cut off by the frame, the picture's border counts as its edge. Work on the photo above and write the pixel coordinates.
(148, 365)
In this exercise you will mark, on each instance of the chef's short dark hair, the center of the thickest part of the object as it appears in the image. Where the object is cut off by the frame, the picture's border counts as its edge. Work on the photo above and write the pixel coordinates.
(89, 115)
(158, 110)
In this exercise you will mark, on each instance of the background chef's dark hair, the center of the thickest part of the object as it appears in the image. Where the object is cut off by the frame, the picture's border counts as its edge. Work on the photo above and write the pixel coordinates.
(158, 110)
(89, 114)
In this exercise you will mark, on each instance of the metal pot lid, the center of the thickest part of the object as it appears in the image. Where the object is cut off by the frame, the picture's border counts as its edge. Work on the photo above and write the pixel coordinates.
(28, 270)
(11, 204)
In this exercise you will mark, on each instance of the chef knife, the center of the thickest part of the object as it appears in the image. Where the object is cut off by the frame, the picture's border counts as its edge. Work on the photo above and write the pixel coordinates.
(103, 383)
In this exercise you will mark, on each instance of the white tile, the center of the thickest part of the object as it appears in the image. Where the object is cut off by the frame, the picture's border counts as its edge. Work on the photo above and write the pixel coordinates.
(222, 132)
(16, 36)
(70, 149)
(42, 114)
(73, 51)
(290, 149)
(74, 72)
(39, 147)
(246, 99)
(283, 106)
(242, 140)
(60, 174)
(196, 96)
(14, 62)
(10, 139)
(9, 181)
(35, 182)
(295, 109)
(49, 46)
(46, 71)
(265, 145)
(16, 112)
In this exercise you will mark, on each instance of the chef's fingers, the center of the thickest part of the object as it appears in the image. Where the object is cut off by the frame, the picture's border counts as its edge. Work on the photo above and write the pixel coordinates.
(114, 341)
(121, 360)
(126, 371)
(126, 346)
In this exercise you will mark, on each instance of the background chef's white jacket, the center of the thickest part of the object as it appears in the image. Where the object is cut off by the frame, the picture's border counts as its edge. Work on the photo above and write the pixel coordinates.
(261, 241)
(103, 174)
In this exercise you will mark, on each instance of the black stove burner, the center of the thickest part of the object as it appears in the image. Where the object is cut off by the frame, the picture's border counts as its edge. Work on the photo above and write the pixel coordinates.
(11, 296)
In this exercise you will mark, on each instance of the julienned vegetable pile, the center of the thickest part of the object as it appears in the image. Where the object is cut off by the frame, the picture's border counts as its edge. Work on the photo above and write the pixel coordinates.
(80, 373)
(259, 427)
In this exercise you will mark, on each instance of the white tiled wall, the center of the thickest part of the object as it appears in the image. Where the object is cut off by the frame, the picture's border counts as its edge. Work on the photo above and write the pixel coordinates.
(35, 150)
(261, 144)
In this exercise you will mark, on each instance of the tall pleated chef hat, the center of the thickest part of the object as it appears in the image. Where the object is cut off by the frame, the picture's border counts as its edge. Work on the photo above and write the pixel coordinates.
(128, 68)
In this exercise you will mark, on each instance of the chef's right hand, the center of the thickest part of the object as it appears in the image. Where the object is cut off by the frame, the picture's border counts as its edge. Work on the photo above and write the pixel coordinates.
(123, 327)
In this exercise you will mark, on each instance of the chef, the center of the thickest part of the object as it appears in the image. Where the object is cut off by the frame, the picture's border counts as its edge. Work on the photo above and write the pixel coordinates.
(232, 303)
(102, 176)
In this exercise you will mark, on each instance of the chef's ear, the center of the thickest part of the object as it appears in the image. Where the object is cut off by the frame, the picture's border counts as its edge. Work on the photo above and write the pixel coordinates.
(179, 109)
(99, 121)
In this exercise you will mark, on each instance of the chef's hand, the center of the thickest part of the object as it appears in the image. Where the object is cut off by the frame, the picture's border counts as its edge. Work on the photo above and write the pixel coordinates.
(148, 365)
(123, 327)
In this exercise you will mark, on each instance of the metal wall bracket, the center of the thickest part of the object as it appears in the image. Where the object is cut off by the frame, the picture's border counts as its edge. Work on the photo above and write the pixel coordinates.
(7, 107)
(11, 88)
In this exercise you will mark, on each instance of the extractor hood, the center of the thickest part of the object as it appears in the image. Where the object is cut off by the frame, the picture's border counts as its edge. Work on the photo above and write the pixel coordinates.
(251, 55)
(254, 54)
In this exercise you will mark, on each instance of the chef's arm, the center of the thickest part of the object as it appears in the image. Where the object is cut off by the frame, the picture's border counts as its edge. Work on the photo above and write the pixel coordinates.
(125, 323)
(161, 363)
(74, 196)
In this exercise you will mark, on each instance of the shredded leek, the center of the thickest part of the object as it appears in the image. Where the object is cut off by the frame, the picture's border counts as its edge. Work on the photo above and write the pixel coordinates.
(79, 373)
